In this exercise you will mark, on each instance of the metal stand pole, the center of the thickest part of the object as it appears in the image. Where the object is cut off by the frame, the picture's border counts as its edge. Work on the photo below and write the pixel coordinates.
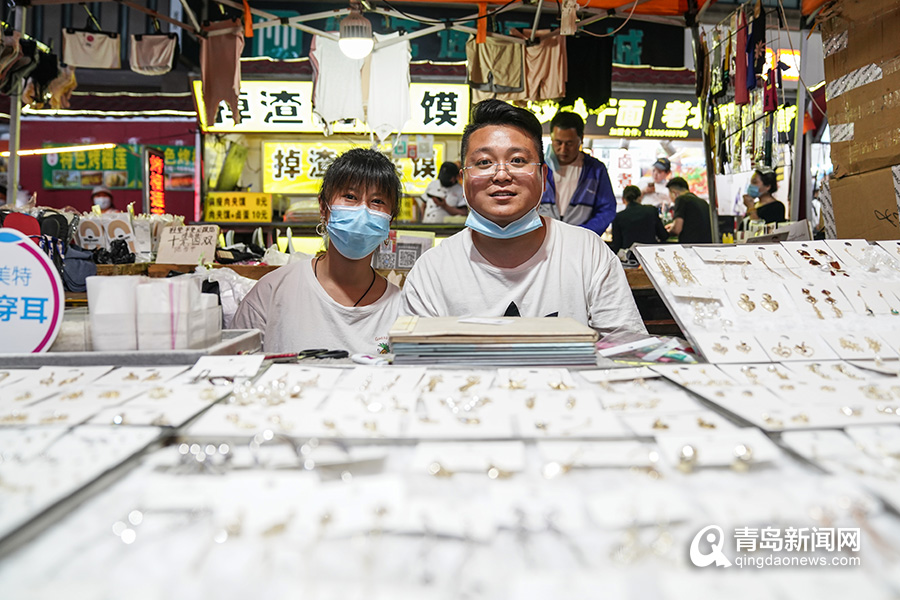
(707, 143)
(15, 120)
(800, 173)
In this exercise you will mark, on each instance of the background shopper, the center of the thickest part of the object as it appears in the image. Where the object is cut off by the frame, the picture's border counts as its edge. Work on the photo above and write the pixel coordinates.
(691, 213)
(636, 223)
(578, 190)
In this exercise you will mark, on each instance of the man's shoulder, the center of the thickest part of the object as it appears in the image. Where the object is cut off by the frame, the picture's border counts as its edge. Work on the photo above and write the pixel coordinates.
(691, 197)
(566, 233)
(593, 163)
(453, 245)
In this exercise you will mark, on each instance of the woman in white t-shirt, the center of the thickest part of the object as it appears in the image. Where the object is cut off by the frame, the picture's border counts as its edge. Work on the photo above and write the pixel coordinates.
(444, 196)
(336, 300)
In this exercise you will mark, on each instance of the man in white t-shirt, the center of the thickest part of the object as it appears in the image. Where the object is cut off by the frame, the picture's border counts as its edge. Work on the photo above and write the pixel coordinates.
(510, 261)
(444, 196)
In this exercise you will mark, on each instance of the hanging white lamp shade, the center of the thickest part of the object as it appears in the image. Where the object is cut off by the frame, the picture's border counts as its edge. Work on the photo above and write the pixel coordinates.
(356, 39)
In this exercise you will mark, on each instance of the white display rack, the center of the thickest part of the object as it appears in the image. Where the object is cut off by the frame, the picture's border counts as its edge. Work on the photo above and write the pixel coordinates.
(793, 301)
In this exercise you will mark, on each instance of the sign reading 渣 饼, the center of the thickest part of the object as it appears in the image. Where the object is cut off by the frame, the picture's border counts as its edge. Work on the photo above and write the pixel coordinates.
(31, 295)
(238, 207)
(187, 244)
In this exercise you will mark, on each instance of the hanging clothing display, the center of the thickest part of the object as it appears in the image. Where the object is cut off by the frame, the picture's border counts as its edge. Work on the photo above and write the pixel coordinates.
(91, 49)
(387, 106)
(589, 77)
(545, 70)
(337, 83)
(61, 88)
(741, 96)
(9, 52)
(496, 66)
(756, 47)
(153, 54)
(220, 67)
(36, 92)
(21, 68)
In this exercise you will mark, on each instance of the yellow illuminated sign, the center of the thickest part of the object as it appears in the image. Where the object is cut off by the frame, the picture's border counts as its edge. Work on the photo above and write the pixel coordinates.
(238, 207)
(298, 167)
(790, 58)
(287, 107)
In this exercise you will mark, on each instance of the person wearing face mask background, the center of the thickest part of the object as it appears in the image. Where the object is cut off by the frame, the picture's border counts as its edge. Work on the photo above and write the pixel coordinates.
(510, 261)
(103, 198)
(337, 300)
(760, 202)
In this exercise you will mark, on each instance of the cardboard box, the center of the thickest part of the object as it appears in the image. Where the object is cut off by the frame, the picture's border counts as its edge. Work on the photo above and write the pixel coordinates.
(862, 67)
(868, 205)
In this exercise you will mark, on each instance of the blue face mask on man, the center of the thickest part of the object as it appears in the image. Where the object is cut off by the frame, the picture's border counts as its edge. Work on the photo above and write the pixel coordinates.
(524, 224)
(356, 231)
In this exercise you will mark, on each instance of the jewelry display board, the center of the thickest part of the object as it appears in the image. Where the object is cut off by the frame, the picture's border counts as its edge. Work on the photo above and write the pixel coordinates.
(794, 301)
(331, 482)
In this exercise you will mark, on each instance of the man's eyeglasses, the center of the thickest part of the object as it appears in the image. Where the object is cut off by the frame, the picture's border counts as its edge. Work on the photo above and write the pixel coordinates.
(488, 168)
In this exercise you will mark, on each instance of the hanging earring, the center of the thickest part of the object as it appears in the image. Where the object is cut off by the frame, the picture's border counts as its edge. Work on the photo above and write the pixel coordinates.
(320, 227)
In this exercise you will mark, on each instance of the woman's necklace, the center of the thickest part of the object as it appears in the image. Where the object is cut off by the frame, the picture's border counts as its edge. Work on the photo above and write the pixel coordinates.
(368, 289)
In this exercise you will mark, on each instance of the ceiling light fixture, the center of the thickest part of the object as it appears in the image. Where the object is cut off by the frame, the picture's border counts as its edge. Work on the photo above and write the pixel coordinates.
(356, 39)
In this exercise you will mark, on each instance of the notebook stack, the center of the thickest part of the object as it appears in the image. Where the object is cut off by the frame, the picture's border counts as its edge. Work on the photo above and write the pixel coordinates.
(513, 341)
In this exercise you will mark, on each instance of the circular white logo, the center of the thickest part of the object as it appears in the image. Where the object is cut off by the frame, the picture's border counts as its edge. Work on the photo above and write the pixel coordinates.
(717, 542)
(52, 159)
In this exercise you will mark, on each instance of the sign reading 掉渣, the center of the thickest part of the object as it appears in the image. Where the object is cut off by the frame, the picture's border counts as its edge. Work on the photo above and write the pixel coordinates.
(31, 295)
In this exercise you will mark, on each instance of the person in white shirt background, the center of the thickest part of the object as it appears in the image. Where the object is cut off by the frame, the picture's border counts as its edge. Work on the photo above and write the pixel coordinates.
(510, 261)
(444, 196)
(336, 301)
(654, 187)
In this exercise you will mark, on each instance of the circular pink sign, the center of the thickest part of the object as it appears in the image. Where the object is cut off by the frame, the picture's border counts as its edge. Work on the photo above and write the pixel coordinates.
(31, 295)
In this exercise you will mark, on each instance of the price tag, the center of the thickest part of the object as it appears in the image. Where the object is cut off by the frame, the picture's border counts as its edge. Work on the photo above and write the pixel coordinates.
(238, 207)
(187, 244)
(31, 295)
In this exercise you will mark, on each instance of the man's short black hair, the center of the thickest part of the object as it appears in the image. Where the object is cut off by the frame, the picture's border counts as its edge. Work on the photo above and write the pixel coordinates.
(678, 183)
(363, 169)
(568, 120)
(631, 193)
(497, 112)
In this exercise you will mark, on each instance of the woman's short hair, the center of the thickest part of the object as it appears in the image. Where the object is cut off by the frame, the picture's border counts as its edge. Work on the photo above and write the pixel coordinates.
(498, 112)
(631, 193)
(768, 177)
(362, 169)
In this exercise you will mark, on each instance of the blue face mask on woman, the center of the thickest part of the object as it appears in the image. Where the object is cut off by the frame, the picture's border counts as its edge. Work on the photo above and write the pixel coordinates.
(356, 231)
(753, 191)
